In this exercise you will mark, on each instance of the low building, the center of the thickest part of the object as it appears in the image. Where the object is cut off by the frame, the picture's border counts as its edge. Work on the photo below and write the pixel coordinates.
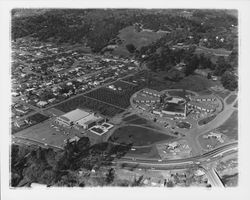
(209, 108)
(90, 121)
(42, 103)
(204, 98)
(146, 99)
(151, 92)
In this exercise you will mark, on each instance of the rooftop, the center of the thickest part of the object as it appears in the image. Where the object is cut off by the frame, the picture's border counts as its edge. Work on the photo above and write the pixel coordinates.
(75, 115)
(88, 119)
(172, 107)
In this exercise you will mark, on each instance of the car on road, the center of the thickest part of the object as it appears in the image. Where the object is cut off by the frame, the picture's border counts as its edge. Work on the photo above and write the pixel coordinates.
(159, 160)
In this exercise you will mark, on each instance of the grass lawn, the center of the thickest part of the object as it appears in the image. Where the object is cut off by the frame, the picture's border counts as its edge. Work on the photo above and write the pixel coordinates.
(138, 136)
(206, 120)
(130, 118)
(146, 152)
(138, 39)
(231, 98)
(230, 127)
(222, 94)
(195, 83)
(135, 119)
(44, 133)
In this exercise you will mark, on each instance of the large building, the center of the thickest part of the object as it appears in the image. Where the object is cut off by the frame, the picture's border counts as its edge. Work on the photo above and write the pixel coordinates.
(71, 117)
(89, 121)
(80, 119)
(178, 110)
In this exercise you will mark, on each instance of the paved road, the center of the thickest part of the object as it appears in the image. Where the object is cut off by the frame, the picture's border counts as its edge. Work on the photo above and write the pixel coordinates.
(213, 154)
(213, 178)
(195, 132)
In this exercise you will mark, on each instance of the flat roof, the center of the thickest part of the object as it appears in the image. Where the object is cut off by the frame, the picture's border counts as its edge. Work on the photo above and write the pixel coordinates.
(172, 107)
(75, 115)
(88, 119)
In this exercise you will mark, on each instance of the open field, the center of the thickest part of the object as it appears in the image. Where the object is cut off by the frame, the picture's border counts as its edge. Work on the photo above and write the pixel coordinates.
(138, 136)
(129, 35)
(154, 81)
(145, 152)
(222, 94)
(84, 102)
(116, 97)
(230, 127)
(44, 133)
(195, 83)
(137, 120)
(231, 98)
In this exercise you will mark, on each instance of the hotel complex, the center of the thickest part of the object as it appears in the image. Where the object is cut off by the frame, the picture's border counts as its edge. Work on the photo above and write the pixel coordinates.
(163, 104)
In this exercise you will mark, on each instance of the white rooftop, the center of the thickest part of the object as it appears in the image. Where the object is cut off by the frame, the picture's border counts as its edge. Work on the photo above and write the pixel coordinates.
(76, 114)
(90, 117)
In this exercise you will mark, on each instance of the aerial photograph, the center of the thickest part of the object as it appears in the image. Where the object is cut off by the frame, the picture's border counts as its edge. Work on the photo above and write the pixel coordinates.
(124, 98)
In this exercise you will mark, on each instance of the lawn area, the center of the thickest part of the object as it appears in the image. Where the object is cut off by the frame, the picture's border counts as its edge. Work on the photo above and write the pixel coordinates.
(146, 152)
(231, 98)
(44, 133)
(195, 83)
(156, 81)
(137, 120)
(230, 127)
(143, 38)
(138, 136)
(206, 120)
(130, 118)
(180, 93)
(222, 94)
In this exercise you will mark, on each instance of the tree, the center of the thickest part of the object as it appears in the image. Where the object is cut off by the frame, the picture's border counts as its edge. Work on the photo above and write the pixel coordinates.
(209, 76)
(82, 144)
(138, 182)
(221, 66)
(229, 81)
(110, 176)
(131, 48)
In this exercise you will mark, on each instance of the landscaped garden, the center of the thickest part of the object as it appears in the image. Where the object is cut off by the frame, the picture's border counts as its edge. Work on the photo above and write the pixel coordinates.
(183, 125)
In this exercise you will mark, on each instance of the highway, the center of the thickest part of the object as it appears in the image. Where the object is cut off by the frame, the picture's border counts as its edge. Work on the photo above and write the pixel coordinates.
(214, 178)
(201, 159)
